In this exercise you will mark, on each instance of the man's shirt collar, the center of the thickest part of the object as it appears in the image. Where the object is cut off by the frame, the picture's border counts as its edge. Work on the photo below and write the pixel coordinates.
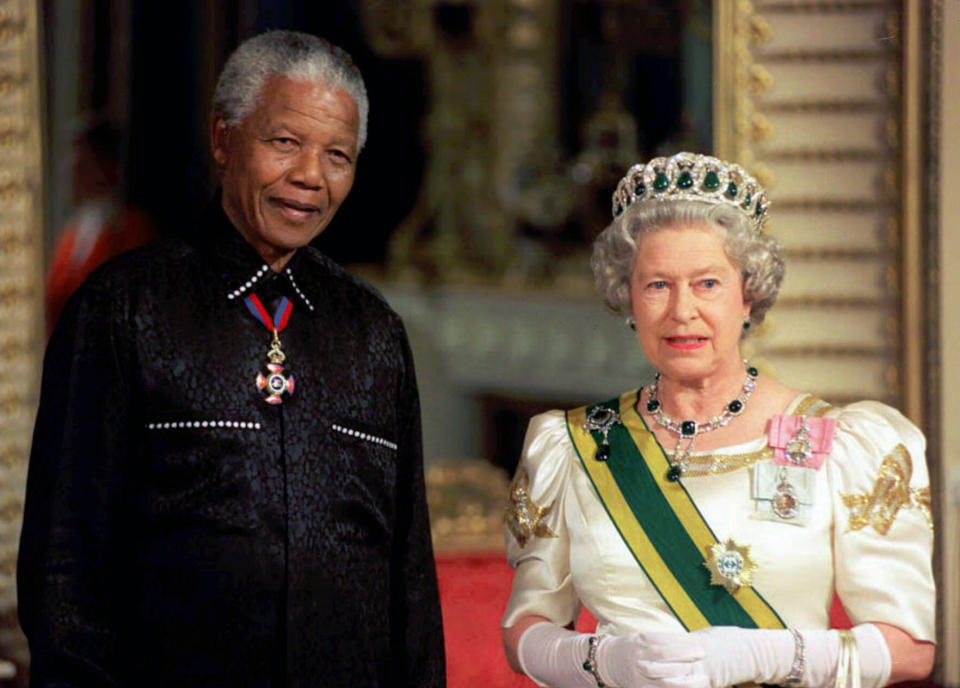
(240, 268)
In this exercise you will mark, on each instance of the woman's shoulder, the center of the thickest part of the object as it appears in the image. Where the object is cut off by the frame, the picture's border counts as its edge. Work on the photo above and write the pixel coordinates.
(868, 422)
(549, 422)
(542, 473)
(549, 453)
(875, 422)
(873, 438)
(547, 446)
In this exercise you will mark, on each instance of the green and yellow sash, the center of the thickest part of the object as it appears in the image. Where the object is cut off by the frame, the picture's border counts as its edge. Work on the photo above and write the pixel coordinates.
(660, 524)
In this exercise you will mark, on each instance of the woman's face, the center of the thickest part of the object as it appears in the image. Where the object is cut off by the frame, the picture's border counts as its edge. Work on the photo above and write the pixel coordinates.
(688, 302)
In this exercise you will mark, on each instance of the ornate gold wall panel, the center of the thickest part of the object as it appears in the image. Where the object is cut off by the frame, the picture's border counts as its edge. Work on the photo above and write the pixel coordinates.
(814, 111)
(515, 169)
(835, 106)
(467, 503)
(490, 111)
(21, 286)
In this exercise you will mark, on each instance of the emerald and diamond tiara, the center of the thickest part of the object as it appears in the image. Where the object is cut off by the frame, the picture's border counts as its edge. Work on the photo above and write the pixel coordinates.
(693, 177)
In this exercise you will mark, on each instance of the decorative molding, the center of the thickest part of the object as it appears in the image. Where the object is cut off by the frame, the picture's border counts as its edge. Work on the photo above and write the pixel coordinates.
(13, 403)
(12, 453)
(824, 55)
(849, 205)
(752, 101)
(828, 350)
(396, 28)
(818, 6)
(947, 663)
(821, 253)
(833, 302)
(821, 155)
(910, 193)
(21, 286)
(813, 105)
(752, 111)
(12, 294)
(467, 501)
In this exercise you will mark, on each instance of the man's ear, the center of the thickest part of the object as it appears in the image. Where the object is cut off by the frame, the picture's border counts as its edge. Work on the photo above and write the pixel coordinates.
(220, 134)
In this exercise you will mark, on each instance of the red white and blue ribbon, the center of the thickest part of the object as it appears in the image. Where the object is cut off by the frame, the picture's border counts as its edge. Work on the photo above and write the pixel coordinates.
(279, 320)
(276, 380)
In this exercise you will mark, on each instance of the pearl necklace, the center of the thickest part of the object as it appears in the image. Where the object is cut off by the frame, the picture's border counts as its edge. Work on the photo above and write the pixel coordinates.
(689, 429)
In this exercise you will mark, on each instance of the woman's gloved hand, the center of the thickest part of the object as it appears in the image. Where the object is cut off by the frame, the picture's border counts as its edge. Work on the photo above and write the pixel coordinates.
(554, 656)
(727, 656)
(650, 660)
(708, 658)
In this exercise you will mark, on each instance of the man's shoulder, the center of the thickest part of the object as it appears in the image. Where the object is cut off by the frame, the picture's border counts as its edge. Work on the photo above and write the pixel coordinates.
(354, 287)
(133, 267)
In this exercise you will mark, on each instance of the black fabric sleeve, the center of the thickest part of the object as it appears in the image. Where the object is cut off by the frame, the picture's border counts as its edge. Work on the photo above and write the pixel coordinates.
(69, 571)
(416, 627)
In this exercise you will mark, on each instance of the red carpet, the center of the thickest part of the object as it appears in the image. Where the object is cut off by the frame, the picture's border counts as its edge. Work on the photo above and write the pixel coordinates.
(473, 593)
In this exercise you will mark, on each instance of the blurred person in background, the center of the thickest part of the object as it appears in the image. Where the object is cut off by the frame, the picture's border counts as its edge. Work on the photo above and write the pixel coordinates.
(102, 225)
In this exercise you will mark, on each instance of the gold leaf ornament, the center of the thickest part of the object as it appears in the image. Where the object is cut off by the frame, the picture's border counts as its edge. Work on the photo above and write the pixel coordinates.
(760, 30)
(920, 499)
(891, 492)
(524, 517)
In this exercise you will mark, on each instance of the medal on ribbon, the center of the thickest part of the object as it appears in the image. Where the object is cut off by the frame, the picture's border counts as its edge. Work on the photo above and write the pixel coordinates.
(784, 487)
(276, 380)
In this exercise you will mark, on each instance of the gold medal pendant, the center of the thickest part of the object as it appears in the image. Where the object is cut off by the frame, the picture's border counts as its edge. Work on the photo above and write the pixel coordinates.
(799, 451)
(276, 380)
(785, 502)
(730, 565)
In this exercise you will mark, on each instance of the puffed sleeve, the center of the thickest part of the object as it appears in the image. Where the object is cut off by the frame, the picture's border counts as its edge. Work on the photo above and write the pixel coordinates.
(883, 532)
(538, 546)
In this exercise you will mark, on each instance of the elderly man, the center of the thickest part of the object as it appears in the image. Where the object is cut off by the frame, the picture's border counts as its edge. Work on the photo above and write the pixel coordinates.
(226, 483)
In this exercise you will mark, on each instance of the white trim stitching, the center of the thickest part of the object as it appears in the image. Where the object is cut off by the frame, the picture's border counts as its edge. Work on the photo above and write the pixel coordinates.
(239, 291)
(293, 283)
(176, 425)
(365, 436)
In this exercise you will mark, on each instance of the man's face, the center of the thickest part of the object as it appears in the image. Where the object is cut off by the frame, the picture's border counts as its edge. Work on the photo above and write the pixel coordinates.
(288, 165)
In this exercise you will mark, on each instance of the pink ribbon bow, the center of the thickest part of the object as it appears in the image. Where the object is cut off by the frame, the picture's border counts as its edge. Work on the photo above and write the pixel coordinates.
(792, 446)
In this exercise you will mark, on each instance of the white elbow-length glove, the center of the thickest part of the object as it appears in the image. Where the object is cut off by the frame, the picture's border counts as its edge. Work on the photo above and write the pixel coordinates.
(710, 658)
(554, 656)
(737, 655)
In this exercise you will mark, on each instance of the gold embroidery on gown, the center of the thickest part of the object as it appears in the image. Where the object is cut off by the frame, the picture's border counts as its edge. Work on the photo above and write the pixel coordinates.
(920, 499)
(890, 493)
(524, 518)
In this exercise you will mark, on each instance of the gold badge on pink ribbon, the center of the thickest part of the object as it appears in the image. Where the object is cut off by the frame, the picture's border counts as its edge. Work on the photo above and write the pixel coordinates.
(783, 488)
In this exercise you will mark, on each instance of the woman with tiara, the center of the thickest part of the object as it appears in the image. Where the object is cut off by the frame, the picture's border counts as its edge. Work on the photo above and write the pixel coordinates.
(707, 519)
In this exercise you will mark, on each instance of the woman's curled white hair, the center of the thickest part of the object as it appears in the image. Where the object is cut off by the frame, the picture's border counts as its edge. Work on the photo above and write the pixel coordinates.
(291, 54)
(756, 255)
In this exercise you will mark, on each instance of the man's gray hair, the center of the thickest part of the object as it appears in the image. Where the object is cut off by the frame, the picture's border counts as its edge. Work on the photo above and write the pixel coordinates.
(297, 56)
